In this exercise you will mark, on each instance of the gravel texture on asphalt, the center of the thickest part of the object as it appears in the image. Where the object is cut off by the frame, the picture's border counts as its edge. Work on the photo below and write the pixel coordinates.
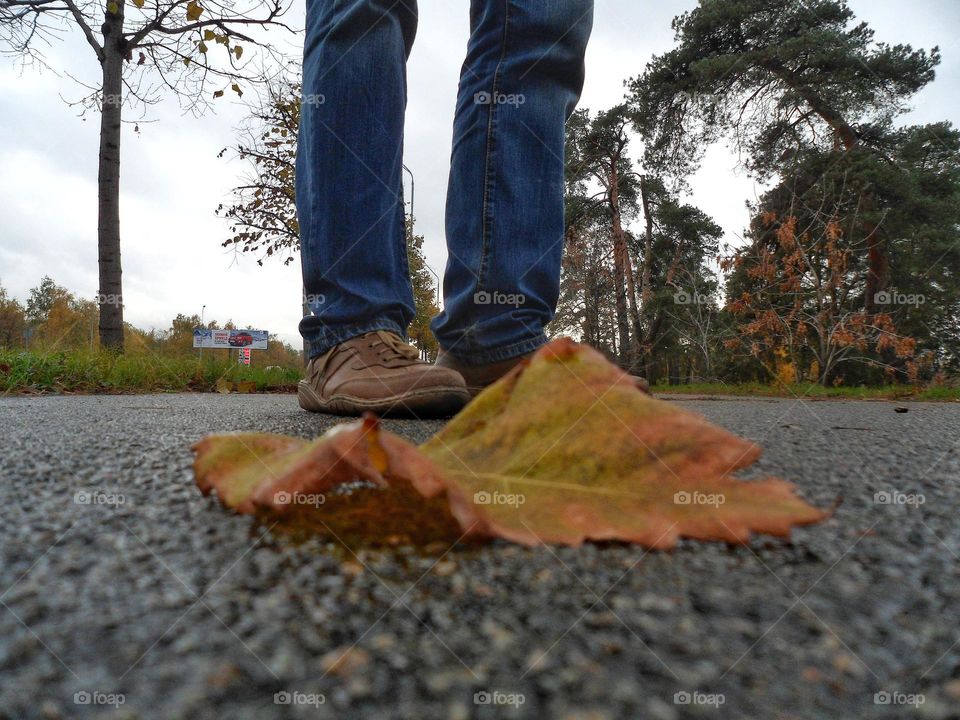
(165, 605)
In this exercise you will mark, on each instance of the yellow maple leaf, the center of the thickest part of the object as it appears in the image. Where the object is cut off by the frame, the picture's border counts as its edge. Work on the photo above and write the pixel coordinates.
(636, 470)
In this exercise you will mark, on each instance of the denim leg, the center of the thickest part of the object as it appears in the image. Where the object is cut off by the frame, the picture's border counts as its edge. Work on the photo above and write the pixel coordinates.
(349, 187)
(505, 222)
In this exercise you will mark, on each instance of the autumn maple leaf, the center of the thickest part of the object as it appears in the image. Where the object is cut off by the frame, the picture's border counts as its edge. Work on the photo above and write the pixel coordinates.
(563, 449)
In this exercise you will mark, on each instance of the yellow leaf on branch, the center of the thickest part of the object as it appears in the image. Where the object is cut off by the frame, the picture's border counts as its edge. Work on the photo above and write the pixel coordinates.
(194, 11)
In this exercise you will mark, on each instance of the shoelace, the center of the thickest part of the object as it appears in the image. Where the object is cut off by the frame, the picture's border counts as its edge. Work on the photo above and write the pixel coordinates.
(391, 346)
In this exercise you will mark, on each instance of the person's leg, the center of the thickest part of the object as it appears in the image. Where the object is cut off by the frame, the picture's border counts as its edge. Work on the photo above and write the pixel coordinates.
(351, 214)
(505, 222)
(349, 189)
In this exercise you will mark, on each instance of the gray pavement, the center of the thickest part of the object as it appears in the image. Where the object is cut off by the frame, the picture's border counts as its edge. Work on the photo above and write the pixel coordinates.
(165, 605)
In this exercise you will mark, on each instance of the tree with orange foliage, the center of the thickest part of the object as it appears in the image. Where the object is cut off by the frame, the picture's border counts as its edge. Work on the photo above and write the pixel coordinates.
(801, 293)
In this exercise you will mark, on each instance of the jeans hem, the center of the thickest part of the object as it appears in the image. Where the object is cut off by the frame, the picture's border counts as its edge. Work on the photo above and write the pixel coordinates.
(506, 352)
(322, 341)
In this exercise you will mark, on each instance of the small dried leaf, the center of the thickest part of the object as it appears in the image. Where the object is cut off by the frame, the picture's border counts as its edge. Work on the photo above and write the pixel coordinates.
(194, 11)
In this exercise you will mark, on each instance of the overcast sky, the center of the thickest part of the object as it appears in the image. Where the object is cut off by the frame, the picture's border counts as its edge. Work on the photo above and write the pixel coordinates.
(172, 179)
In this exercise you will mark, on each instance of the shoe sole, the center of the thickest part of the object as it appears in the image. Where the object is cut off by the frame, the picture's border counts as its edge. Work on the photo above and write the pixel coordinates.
(425, 402)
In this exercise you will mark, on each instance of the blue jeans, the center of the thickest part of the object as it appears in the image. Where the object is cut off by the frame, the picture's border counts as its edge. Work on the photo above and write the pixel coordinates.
(504, 216)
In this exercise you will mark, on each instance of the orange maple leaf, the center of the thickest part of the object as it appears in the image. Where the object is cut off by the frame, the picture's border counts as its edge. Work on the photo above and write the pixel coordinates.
(563, 449)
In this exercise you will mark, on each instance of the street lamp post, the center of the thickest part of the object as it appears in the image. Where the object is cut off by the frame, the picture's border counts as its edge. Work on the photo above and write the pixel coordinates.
(413, 190)
(427, 265)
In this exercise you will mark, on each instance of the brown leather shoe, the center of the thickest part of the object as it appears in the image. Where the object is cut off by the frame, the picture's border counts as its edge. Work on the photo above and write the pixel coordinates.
(477, 377)
(379, 372)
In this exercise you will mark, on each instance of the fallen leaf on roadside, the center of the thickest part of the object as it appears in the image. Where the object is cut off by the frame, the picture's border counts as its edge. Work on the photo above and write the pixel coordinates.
(563, 449)
(303, 483)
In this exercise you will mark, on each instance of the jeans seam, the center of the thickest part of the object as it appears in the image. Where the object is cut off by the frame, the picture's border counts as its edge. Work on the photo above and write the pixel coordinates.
(324, 340)
(489, 186)
(499, 354)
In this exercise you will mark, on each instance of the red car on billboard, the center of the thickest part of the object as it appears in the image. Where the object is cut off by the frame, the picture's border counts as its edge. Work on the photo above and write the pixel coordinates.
(240, 339)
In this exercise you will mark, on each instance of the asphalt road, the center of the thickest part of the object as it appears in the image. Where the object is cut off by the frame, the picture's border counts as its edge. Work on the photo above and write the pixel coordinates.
(138, 598)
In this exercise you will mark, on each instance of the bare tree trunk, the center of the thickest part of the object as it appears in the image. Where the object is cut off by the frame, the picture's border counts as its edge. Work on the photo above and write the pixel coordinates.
(637, 328)
(110, 299)
(619, 265)
(646, 292)
(591, 310)
(876, 266)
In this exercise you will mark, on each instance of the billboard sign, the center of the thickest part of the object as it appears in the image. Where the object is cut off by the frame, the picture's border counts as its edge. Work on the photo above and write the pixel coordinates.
(227, 339)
